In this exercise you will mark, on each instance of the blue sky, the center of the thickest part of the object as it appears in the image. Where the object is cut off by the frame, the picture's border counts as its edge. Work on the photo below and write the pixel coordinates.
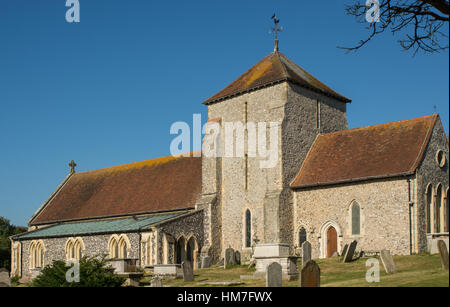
(105, 91)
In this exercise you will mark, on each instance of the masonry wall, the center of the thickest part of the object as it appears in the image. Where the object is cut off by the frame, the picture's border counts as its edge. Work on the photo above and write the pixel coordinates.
(268, 195)
(55, 249)
(430, 173)
(384, 215)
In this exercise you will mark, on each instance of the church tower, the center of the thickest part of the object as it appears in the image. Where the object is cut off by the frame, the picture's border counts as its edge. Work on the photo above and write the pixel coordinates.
(245, 203)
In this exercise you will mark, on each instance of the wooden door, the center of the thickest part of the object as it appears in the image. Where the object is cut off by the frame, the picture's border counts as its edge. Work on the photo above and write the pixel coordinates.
(331, 241)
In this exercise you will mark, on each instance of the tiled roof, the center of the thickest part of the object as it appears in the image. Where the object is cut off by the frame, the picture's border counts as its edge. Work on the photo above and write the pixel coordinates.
(385, 150)
(97, 227)
(156, 185)
(274, 68)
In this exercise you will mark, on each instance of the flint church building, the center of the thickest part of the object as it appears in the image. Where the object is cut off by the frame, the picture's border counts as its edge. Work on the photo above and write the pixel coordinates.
(385, 186)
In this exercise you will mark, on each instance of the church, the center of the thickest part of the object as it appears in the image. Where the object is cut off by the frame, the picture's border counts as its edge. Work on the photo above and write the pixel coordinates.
(385, 186)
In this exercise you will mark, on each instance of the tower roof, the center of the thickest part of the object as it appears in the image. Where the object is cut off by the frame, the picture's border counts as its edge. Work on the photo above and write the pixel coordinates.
(274, 68)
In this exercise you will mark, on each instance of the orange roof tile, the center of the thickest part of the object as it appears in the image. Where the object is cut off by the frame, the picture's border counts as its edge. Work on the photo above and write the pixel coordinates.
(274, 68)
(162, 184)
(386, 150)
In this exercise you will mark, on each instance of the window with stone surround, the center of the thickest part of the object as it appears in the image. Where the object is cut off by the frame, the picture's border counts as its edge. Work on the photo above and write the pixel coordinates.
(356, 219)
(74, 248)
(119, 246)
(37, 254)
(302, 237)
(248, 228)
(438, 208)
(429, 202)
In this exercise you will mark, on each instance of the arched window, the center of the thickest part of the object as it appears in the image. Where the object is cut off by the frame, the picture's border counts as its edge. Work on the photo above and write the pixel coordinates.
(437, 210)
(446, 212)
(248, 228)
(356, 219)
(302, 236)
(429, 202)
(37, 254)
(74, 248)
(119, 246)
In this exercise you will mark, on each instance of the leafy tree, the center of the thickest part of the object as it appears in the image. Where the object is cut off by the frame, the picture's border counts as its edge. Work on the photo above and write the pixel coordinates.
(7, 230)
(425, 22)
(94, 272)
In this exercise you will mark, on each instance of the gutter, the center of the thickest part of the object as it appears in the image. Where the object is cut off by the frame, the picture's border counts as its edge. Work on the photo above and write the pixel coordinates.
(352, 180)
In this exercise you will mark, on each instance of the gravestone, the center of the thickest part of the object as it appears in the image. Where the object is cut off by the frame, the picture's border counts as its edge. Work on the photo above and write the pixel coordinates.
(274, 275)
(229, 258)
(206, 262)
(350, 252)
(310, 275)
(156, 282)
(443, 253)
(344, 250)
(4, 278)
(237, 257)
(388, 262)
(306, 252)
(188, 272)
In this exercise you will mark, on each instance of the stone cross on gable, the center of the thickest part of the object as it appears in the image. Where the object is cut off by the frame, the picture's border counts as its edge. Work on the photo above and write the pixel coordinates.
(72, 165)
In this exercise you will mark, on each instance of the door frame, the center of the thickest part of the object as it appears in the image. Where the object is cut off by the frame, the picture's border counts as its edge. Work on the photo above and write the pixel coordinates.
(323, 237)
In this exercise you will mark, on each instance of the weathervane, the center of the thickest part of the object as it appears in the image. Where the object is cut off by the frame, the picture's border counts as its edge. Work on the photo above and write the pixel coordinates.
(275, 30)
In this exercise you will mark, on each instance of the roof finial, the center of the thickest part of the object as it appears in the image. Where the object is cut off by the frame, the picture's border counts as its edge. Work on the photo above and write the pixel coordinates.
(72, 165)
(275, 31)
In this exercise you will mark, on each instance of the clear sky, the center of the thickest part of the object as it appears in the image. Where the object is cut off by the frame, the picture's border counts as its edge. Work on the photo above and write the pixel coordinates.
(105, 91)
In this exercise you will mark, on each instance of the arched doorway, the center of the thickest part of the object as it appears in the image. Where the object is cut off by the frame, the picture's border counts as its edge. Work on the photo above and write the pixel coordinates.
(180, 251)
(331, 241)
(191, 251)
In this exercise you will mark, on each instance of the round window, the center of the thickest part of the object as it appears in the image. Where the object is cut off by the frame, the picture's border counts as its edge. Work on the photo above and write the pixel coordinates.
(440, 158)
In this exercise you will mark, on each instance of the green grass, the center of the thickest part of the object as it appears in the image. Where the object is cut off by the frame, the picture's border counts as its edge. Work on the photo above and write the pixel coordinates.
(412, 271)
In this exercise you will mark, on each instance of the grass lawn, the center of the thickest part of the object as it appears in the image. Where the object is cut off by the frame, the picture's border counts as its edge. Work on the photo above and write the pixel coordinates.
(412, 271)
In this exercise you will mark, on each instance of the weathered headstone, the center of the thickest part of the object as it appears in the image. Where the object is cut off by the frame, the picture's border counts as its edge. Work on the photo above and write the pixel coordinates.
(188, 272)
(206, 262)
(251, 264)
(443, 253)
(306, 252)
(388, 262)
(310, 275)
(4, 277)
(156, 282)
(237, 257)
(274, 275)
(344, 250)
(350, 252)
(229, 258)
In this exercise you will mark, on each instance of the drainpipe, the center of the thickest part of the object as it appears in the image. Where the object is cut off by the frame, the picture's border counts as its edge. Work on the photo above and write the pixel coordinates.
(411, 219)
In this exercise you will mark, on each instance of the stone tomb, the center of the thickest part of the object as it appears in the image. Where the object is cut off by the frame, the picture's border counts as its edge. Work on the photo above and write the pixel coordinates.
(156, 282)
(388, 261)
(350, 252)
(310, 275)
(188, 272)
(4, 278)
(274, 275)
(168, 271)
(265, 254)
(443, 253)
(306, 252)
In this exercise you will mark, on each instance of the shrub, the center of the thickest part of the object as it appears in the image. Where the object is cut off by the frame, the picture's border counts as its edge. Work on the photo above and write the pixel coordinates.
(94, 272)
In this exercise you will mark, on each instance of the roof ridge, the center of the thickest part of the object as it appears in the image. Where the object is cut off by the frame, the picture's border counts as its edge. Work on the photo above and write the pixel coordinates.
(169, 158)
(378, 125)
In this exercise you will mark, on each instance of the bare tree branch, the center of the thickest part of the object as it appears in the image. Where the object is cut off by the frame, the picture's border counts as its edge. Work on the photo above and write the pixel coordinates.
(422, 20)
